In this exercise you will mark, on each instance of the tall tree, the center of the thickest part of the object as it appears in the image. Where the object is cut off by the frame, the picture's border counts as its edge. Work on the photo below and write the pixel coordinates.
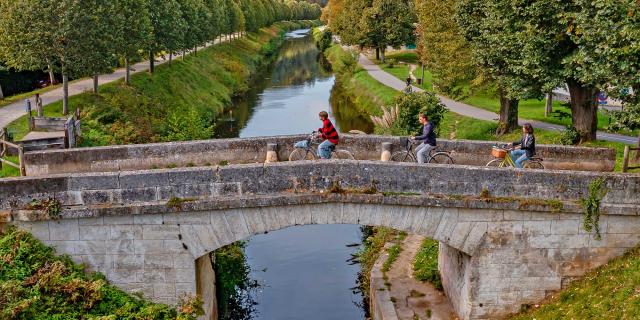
(167, 28)
(442, 47)
(133, 25)
(72, 37)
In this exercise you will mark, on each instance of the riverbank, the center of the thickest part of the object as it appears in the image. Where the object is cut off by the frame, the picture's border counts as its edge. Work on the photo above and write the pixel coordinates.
(181, 100)
(36, 284)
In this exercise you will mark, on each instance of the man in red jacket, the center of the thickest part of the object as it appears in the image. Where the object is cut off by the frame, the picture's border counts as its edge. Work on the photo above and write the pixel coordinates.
(329, 135)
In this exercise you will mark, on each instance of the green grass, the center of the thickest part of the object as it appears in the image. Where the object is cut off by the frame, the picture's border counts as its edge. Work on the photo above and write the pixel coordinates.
(37, 284)
(180, 101)
(425, 263)
(21, 96)
(455, 126)
(7, 170)
(368, 94)
(401, 68)
(394, 252)
(531, 109)
(609, 292)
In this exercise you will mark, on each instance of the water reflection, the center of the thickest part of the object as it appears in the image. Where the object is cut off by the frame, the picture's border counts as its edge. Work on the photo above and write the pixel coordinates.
(305, 272)
(287, 97)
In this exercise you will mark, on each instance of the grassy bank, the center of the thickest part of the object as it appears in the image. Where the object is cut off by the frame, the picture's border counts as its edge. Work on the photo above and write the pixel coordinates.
(532, 109)
(374, 240)
(181, 101)
(425, 263)
(609, 292)
(36, 284)
(367, 93)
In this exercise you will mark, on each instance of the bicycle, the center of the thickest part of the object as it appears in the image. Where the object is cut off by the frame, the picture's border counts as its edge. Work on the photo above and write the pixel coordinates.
(436, 156)
(308, 150)
(503, 159)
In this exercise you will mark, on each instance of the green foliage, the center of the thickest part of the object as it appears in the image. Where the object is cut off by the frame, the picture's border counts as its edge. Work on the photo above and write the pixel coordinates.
(425, 264)
(187, 125)
(323, 39)
(609, 293)
(591, 206)
(35, 284)
(374, 240)
(233, 284)
(442, 47)
(394, 252)
(569, 136)
(413, 104)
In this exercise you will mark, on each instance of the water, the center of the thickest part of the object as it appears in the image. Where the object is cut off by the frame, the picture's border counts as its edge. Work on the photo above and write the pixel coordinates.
(304, 271)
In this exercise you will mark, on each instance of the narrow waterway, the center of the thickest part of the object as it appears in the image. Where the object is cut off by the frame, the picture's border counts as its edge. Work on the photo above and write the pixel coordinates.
(304, 272)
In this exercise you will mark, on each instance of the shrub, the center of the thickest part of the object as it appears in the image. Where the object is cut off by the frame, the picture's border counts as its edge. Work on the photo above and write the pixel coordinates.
(570, 136)
(411, 105)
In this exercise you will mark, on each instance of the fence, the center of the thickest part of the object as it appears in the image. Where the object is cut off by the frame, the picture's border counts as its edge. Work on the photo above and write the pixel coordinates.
(5, 146)
(626, 158)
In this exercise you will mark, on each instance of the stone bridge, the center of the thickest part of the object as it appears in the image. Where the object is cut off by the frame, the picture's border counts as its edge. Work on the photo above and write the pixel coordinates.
(507, 237)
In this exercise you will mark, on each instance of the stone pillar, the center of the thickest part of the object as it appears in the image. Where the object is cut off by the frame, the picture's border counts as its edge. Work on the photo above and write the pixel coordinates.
(386, 151)
(206, 286)
(272, 153)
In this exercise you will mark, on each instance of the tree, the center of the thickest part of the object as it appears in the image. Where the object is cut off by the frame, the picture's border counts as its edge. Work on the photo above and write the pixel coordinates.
(167, 28)
(134, 31)
(442, 47)
(72, 37)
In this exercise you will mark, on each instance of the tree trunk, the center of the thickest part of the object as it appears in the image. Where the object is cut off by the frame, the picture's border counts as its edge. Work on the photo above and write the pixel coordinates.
(152, 62)
(195, 50)
(52, 77)
(548, 108)
(170, 56)
(1, 93)
(378, 54)
(584, 109)
(95, 84)
(508, 114)
(127, 70)
(382, 56)
(65, 94)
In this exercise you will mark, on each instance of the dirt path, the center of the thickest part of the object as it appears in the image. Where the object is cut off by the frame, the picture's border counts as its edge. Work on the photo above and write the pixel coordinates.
(413, 297)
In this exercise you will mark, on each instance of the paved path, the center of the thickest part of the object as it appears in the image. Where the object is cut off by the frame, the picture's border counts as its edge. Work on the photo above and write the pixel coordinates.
(470, 111)
(16, 110)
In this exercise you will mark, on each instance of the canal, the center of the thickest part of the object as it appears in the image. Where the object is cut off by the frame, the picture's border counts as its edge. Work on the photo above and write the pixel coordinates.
(303, 272)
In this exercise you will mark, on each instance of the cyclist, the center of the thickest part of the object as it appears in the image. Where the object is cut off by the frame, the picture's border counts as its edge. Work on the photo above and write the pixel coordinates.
(526, 147)
(329, 135)
(428, 139)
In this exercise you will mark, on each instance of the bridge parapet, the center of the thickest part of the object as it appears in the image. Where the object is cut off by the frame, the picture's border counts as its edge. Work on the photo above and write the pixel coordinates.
(253, 150)
(508, 237)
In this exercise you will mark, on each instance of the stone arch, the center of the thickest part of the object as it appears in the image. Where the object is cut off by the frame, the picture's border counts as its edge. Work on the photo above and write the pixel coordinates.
(229, 226)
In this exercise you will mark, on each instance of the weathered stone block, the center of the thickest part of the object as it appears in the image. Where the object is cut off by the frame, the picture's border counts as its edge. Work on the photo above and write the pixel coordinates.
(90, 247)
(144, 179)
(139, 195)
(164, 290)
(148, 219)
(94, 181)
(95, 221)
(565, 226)
(160, 232)
(94, 232)
(119, 246)
(120, 232)
(129, 261)
(148, 246)
(158, 261)
(66, 229)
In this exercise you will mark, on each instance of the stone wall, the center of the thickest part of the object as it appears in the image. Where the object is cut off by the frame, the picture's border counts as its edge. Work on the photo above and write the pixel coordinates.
(455, 271)
(252, 150)
(521, 245)
(380, 304)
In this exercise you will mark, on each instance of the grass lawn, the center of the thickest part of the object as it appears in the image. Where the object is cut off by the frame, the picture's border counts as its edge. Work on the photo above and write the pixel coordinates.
(9, 171)
(609, 292)
(531, 109)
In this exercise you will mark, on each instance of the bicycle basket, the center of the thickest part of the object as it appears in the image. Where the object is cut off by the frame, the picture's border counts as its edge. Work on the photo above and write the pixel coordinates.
(304, 144)
(498, 152)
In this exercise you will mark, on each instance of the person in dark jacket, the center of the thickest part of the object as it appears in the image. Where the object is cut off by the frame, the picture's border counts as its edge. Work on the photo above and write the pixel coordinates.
(329, 135)
(526, 147)
(428, 139)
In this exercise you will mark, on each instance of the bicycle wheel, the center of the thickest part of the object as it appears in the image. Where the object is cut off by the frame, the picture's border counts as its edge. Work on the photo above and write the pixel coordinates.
(403, 156)
(441, 158)
(300, 154)
(342, 155)
(496, 163)
(533, 165)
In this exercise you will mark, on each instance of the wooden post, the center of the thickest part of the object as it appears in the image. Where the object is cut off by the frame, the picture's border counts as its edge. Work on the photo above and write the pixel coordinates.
(386, 151)
(272, 153)
(625, 159)
(29, 115)
(23, 169)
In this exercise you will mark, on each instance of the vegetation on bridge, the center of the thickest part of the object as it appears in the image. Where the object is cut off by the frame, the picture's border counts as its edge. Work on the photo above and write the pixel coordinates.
(36, 284)
(609, 292)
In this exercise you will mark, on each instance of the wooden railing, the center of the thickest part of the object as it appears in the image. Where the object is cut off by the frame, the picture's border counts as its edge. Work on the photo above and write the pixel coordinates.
(5, 146)
(626, 158)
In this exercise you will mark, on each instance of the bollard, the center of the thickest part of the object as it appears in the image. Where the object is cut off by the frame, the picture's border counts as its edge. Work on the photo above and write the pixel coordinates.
(386, 151)
(272, 153)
